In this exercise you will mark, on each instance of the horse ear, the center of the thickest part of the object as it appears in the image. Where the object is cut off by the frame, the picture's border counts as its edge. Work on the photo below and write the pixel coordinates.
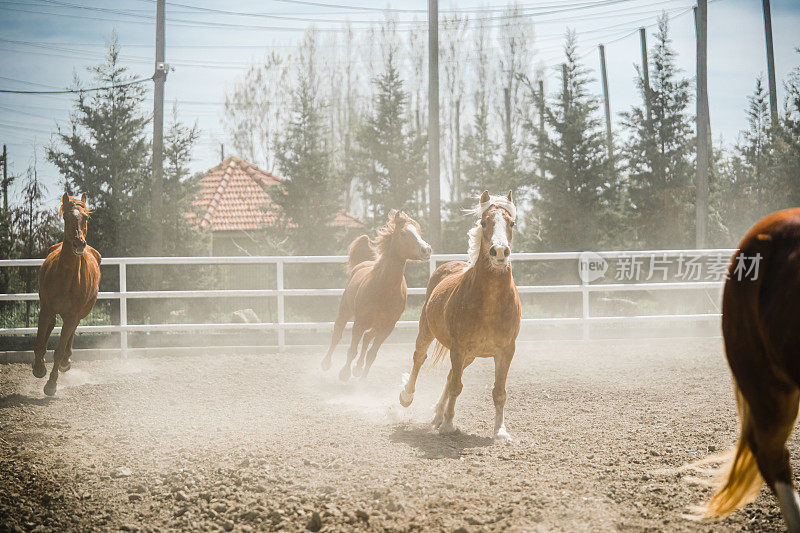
(392, 214)
(485, 197)
(65, 200)
(510, 198)
(83, 198)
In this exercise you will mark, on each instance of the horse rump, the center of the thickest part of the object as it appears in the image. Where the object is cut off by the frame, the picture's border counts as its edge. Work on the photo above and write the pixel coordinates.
(360, 250)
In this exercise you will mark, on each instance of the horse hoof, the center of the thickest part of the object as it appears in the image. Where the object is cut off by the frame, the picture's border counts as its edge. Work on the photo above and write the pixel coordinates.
(39, 370)
(357, 371)
(344, 374)
(325, 364)
(65, 366)
(437, 421)
(447, 428)
(502, 436)
(50, 388)
(406, 398)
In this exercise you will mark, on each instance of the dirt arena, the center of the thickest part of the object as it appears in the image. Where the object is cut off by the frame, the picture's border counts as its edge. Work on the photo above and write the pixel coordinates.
(270, 442)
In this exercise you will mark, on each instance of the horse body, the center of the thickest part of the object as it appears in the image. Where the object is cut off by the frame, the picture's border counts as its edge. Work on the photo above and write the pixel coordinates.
(761, 330)
(375, 296)
(473, 310)
(69, 280)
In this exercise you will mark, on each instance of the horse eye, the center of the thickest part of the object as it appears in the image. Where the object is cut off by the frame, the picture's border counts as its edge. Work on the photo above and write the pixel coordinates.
(483, 223)
(513, 224)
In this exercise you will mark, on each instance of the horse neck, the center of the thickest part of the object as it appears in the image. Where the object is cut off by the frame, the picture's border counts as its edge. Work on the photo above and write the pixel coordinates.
(391, 267)
(66, 256)
(483, 275)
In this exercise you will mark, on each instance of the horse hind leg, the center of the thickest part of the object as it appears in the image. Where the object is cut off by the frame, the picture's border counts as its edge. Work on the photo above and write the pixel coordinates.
(46, 323)
(336, 335)
(358, 332)
(369, 336)
(373, 350)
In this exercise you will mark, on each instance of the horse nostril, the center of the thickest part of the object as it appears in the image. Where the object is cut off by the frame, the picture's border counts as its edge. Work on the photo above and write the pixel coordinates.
(506, 252)
(493, 251)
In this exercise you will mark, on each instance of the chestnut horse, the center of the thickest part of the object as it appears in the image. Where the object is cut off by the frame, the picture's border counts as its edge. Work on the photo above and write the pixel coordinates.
(473, 310)
(376, 291)
(68, 283)
(761, 329)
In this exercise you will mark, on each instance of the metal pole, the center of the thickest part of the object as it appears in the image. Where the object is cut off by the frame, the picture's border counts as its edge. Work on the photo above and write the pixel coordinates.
(159, 77)
(281, 312)
(645, 71)
(433, 124)
(123, 308)
(703, 126)
(773, 94)
(541, 129)
(507, 106)
(5, 179)
(457, 178)
(606, 104)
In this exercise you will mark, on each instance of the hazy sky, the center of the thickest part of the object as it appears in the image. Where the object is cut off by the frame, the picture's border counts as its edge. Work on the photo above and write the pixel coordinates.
(44, 42)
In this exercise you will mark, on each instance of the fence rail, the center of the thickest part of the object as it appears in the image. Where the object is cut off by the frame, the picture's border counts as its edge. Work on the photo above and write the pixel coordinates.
(280, 292)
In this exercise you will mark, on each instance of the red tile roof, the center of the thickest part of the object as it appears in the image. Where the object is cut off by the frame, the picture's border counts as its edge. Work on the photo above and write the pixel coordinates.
(234, 196)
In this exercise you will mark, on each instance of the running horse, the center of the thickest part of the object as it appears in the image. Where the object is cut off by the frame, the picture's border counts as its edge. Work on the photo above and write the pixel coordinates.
(473, 310)
(761, 330)
(376, 291)
(68, 283)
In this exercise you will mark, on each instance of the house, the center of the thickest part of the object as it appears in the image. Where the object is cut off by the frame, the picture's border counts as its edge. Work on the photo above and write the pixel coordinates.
(234, 205)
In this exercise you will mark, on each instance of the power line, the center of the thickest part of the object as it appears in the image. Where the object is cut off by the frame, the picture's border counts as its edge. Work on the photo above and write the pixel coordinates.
(75, 91)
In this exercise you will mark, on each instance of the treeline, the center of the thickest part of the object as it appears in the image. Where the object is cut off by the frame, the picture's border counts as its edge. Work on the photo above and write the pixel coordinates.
(344, 119)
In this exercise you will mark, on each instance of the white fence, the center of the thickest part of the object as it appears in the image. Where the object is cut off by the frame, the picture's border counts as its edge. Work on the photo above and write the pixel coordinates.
(280, 293)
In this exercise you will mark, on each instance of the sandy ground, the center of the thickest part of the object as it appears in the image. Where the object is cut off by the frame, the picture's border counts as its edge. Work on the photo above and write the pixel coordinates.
(268, 442)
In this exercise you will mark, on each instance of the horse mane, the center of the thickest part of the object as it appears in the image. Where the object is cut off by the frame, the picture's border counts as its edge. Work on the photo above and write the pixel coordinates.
(474, 235)
(384, 233)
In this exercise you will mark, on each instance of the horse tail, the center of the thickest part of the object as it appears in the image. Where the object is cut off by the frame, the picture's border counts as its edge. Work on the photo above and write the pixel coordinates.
(360, 250)
(440, 351)
(741, 480)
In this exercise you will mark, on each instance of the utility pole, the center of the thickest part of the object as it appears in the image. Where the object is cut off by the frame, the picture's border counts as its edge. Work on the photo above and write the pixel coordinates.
(156, 192)
(773, 94)
(5, 179)
(433, 124)
(221, 152)
(703, 125)
(541, 129)
(645, 71)
(457, 180)
(507, 106)
(606, 104)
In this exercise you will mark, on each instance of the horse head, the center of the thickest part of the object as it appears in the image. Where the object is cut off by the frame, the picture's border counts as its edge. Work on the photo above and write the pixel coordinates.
(404, 237)
(76, 217)
(493, 233)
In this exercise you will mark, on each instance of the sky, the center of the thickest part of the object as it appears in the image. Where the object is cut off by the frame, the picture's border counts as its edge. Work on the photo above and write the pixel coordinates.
(44, 43)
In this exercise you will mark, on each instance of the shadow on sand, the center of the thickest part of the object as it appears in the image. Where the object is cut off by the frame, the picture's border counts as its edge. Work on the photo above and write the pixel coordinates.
(17, 400)
(435, 446)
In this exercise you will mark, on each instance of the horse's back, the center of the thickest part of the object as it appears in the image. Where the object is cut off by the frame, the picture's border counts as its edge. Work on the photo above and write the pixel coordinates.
(761, 300)
(442, 272)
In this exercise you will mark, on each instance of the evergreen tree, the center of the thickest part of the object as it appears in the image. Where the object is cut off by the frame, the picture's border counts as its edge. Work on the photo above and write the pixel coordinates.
(659, 153)
(577, 193)
(311, 196)
(104, 153)
(391, 154)
(480, 155)
(787, 152)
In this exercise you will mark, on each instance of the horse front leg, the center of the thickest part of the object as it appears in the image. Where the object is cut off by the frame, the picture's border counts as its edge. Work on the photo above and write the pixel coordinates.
(379, 337)
(67, 330)
(45, 325)
(358, 331)
(502, 363)
(338, 328)
(424, 340)
(453, 389)
(66, 362)
(368, 338)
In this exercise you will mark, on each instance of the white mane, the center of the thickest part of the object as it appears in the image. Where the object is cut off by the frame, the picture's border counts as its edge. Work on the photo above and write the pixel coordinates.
(474, 235)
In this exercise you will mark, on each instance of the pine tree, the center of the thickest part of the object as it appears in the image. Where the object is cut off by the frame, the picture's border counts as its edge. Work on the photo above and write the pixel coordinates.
(659, 153)
(311, 195)
(104, 153)
(787, 153)
(391, 153)
(577, 193)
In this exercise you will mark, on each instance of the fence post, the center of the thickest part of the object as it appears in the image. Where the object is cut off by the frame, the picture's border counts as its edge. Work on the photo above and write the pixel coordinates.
(431, 266)
(123, 308)
(585, 308)
(281, 317)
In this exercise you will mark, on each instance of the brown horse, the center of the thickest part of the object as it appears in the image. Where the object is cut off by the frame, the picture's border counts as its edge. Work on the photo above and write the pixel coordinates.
(473, 310)
(68, 283)
(761, 329)
(376, 292)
